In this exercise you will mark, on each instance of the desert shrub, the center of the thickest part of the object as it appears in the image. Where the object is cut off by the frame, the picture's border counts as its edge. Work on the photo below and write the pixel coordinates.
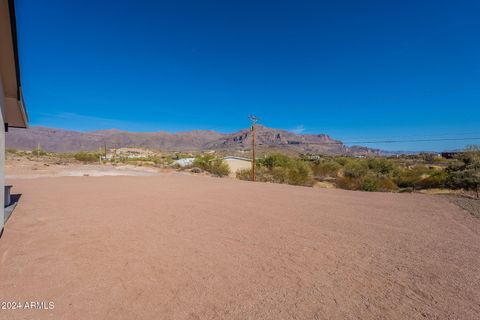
(348, 183)
(422, 177)
(369, 182)
(203, 161)
(300, 174)
(326, 169)
(154, 159)
(148, 160)
(39, 152)
(385, 184)
(215, 166)
(167, 160)
(262, 174)
(244, 174)
(275, 160)
(277, 175)
(342, 160)
(411, 177)
(355, 169)
(436, 179)
(465, 173)
(219, 168)
(381, 166)
(279, 168)
(180, 155)
(87, 156)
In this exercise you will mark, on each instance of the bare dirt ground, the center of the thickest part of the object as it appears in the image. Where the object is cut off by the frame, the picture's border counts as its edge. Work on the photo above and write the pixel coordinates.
(177, 246)
(21, 167)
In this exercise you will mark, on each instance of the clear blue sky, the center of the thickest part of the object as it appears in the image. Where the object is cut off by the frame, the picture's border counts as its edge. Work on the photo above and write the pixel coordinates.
(357, 70)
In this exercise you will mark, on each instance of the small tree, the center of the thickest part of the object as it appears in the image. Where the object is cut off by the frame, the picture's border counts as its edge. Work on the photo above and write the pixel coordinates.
(465, 173)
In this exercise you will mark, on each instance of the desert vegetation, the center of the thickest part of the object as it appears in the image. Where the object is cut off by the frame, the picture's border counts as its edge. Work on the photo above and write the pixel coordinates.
(280, 168)
(406, 173)
(215, 166)
(465, 172)
(87, 156)
(388, 174)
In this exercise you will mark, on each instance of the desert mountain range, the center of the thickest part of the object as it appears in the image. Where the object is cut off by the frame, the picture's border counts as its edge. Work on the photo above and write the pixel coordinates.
(59, 140)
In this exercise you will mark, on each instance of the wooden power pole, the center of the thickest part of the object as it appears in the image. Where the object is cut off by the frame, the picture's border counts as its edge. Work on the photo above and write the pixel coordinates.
(254, 121)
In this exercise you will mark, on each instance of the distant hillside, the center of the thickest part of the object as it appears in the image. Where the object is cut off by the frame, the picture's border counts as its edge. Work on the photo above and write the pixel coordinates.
(60, 140)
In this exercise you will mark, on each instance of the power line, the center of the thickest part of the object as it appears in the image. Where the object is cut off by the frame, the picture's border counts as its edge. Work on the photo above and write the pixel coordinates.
(421, 136)
(418, 140)
(392, 141)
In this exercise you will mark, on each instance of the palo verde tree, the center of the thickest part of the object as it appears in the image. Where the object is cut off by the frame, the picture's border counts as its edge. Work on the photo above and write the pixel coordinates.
(465, 173)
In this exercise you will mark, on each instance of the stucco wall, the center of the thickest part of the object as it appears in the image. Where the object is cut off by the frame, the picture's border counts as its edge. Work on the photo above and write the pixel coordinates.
(237, 164)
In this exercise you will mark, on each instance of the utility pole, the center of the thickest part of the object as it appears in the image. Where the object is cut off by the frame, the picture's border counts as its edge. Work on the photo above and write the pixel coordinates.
(254, 121)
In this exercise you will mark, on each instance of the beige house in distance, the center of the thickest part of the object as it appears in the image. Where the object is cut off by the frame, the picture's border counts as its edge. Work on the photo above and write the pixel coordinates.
(237, 164)
(12, 107)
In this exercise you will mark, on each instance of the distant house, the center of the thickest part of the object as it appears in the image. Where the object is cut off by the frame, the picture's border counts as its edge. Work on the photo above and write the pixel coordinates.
(449, 155)
(237, 164)
(234, 163)
(184, 162)
(12, 107)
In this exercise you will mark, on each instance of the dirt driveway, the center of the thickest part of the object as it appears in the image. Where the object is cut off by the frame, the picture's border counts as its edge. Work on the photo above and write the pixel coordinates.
(182, 247)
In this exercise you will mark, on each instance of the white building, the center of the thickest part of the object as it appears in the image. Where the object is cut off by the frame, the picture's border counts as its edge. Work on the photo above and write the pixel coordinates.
(237, 163)
(184, 162)
(13, 111)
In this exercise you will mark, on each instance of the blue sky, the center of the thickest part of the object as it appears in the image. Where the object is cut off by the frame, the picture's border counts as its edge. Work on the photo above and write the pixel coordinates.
(357, 70)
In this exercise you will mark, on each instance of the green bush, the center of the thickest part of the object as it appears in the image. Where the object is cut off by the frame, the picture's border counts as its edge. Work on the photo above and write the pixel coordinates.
(279, 168)
(276, 175)
(412, 177)
(244, 174)
(262, 174)
(465, 173)
(326, 169)
(300, 174)
(349, 183)
(219, 168)
(87, 156)
(385, 184)
(39, 152)
(367, 174)
(369, 182)
(342, 160)
(215, 166)
(381, 166)
(275, 160)
(355, 169)
(436, 179)
(203, 161)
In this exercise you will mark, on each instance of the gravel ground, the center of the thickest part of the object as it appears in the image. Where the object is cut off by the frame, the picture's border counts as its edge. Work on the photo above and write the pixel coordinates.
(183, 247)
(23, 168)
(470, 204)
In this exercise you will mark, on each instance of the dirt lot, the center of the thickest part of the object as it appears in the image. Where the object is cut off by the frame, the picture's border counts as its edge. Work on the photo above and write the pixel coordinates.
(176, 246)
(22, 167)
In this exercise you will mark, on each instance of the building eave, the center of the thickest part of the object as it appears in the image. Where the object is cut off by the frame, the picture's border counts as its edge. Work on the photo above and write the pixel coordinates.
(15, 112)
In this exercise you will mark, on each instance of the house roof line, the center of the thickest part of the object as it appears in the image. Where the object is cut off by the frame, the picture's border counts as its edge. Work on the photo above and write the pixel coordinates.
(13, 29)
